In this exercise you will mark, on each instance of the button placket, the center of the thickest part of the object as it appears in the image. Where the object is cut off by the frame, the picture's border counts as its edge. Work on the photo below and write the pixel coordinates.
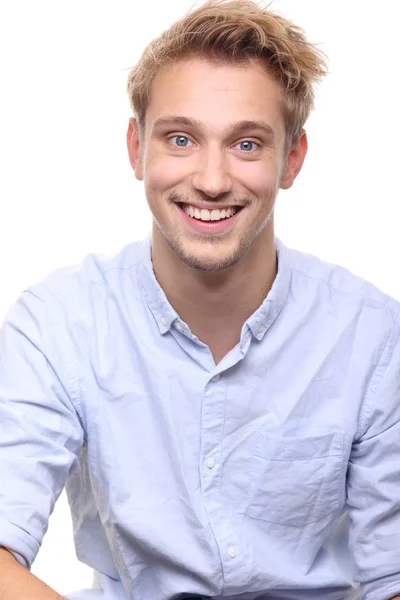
(213, 414)
(214, 409)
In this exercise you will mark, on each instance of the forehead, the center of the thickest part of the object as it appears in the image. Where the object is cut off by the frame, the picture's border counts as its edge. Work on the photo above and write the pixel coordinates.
(216, 94)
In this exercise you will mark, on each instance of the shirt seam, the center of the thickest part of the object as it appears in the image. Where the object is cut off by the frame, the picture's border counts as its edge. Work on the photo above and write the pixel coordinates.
(345, 293)
(377, 377)
(86, 284)
(71, 361)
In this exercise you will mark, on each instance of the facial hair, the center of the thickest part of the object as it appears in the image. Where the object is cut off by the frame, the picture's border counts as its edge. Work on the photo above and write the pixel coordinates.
(175, 242)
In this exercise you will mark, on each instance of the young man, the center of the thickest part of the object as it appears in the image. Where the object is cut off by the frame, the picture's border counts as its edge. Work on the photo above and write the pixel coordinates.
(223, 411)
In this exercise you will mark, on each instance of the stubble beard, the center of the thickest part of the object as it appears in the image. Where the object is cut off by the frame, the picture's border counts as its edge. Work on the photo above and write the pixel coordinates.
(176, 243)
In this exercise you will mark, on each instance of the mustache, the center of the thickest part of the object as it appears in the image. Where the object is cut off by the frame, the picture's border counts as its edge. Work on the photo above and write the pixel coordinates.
(176, 198)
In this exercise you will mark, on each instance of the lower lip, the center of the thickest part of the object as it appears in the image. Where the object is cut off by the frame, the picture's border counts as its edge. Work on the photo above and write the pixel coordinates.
(209, 226)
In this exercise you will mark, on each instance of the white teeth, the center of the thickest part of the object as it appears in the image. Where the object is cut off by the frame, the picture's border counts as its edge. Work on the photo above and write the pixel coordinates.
(207, 215)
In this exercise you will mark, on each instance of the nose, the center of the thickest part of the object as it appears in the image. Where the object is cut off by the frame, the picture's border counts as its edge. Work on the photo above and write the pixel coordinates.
(212, 176)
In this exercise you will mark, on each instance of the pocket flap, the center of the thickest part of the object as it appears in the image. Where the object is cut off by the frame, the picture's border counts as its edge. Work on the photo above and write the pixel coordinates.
(298, 448)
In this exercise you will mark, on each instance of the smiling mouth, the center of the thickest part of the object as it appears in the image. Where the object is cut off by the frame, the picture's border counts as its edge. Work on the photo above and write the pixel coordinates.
(207, 215)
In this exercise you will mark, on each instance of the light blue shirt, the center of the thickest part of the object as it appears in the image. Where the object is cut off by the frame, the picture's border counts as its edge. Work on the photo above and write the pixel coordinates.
(275, 474)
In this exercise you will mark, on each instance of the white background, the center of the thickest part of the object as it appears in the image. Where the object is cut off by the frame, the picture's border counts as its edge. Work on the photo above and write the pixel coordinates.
(67, 189)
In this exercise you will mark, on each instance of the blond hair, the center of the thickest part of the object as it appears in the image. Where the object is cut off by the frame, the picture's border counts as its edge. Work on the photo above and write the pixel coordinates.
(237, 31)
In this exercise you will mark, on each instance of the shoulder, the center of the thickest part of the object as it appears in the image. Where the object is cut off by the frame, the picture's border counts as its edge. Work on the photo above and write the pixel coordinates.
(337, 287)
(77, 303)
(95, 276)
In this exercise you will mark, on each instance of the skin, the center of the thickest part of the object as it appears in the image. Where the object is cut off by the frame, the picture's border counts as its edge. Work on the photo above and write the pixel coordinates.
(214, 281)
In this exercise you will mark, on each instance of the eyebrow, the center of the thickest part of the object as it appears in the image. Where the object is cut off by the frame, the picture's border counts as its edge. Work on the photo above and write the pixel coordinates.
(235, 127)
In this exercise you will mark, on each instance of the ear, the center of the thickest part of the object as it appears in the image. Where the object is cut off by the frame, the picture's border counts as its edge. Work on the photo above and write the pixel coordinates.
(294, 162)
(134, 148)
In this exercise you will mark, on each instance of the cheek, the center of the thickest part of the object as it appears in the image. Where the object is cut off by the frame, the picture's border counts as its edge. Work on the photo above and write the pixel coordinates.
(162, 173)
(260, 177)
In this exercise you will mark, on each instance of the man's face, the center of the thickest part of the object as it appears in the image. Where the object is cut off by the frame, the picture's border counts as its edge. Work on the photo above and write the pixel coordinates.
(212, 159)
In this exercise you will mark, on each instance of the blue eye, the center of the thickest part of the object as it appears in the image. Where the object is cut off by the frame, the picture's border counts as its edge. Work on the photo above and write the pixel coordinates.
(248, 146)
(181, 141)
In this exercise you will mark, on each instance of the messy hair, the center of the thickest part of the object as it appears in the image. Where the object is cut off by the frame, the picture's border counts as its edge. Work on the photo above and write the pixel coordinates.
(237, 32)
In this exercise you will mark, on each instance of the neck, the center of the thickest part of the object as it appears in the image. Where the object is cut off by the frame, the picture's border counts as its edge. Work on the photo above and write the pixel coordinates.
(215, 305)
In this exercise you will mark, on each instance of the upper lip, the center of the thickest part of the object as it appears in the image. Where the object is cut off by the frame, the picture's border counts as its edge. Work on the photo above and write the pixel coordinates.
(211, 206)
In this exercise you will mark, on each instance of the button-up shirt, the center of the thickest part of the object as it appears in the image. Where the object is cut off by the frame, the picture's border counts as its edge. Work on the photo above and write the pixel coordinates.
(273, 474)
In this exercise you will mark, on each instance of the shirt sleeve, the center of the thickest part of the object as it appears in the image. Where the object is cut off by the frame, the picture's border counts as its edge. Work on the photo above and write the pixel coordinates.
(41, 431)
(373, 484)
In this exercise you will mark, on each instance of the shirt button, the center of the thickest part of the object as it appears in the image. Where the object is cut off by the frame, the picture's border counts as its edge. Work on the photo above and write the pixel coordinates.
(179, 326)
(260, 329)
(232, 551)
(210, 462)
(163, 321)
(215, 378)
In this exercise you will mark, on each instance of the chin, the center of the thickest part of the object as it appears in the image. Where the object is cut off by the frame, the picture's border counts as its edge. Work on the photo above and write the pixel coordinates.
(214, 260)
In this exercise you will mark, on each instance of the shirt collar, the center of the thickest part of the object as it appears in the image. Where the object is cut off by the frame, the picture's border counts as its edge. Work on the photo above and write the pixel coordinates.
(258, 323)
(153, 293)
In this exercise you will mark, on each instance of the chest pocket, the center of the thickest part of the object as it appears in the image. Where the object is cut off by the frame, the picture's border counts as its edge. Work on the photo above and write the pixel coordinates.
(297, 480)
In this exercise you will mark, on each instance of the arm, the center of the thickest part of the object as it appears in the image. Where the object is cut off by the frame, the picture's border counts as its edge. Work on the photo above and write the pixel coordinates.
(373, 481)
(40, 435)
(16, 582)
